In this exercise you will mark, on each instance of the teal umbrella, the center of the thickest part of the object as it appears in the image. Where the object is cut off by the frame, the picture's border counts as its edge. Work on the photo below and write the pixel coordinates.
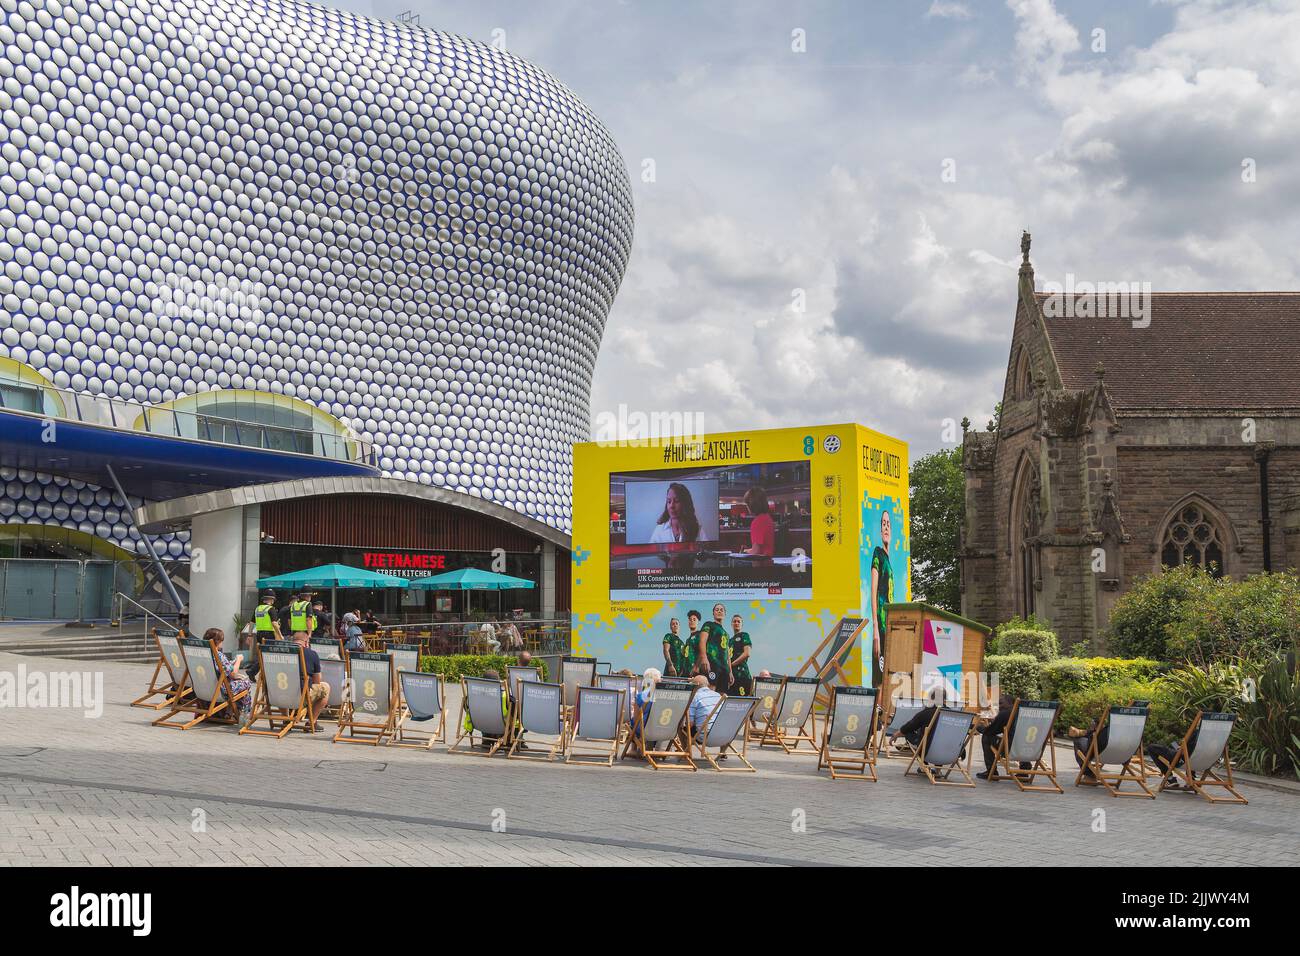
(332, 576)
(472, 579)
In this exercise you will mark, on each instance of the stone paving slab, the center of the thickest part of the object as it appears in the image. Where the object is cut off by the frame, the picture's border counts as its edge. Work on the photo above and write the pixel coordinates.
(115, 791)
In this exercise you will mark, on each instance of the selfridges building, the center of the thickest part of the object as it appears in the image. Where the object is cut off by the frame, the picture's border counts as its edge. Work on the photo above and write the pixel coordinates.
(287, 228)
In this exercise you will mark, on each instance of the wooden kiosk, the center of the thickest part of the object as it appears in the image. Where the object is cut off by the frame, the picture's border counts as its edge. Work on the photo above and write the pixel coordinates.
(922, 639)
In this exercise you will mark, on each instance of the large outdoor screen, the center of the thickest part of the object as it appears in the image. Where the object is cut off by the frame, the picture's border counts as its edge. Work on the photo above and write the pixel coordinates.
(735, 531)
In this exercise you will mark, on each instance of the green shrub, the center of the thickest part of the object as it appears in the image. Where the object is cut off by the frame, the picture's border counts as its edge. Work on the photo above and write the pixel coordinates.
(1017, 674)
(1254, 619)
(1041, 645)
(453, 667)
(1066, 675)
(1267, 737)
(1142, 617)
(1189, 689)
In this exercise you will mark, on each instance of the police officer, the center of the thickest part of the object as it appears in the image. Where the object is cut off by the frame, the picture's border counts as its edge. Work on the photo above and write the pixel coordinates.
(268, 629)
(300, 616)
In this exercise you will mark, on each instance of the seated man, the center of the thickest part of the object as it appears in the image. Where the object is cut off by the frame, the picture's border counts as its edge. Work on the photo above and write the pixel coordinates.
(1083, 738)
(1163, 758)
(318, 692)
(489, 739)
(914, 731)
(991, 733)
(705, 699)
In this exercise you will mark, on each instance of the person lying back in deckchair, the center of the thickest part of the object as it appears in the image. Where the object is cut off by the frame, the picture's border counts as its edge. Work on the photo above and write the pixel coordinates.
(914, 730)
(489, 739)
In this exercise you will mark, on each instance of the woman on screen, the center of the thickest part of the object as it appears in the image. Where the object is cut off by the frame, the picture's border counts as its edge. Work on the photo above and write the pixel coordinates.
(882, 592)
(678, 522)
(762, 530)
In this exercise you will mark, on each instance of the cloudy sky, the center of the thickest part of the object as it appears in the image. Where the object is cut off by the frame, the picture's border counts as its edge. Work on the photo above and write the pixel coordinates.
(887, 169)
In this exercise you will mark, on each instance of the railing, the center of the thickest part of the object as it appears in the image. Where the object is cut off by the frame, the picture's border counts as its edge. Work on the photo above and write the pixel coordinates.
(538, 637)
(120, 600)
(155, 420)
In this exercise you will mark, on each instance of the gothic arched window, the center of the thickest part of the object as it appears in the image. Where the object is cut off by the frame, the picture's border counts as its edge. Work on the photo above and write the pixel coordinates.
(1021, 381)
(1193, 536)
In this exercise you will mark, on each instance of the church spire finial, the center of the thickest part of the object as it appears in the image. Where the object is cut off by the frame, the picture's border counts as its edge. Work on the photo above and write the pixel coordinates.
(1026, 268)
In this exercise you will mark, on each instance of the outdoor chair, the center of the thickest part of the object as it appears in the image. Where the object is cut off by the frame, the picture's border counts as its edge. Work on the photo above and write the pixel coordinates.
(1204, 745)
(327, 648)
(576, 672)
(849, 742)
(947, 742)
(767, 690)
(335, 673)
(662, 731)
(539, 712)
(518, 673)
(1028, 736)
(788, 724)
(170, 661)
(597, 727)
(369, 711)
(423, 719)
(406, 657)
(627, 687)
(483, 710)
(211, 697)
(1124, 729)
(280, 696)
(725, 725)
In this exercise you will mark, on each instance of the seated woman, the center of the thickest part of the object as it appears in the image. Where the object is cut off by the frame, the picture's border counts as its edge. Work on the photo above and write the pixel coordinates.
(233, 666)
(644, 698)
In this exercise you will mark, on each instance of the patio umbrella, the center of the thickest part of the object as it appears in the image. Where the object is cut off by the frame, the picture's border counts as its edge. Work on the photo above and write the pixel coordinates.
(472, 579)
(332, 576)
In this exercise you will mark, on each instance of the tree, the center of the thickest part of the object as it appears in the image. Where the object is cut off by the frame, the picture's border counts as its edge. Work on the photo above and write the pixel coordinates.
(938, 508)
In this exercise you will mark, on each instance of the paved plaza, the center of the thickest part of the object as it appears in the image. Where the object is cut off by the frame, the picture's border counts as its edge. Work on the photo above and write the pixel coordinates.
(114, 791)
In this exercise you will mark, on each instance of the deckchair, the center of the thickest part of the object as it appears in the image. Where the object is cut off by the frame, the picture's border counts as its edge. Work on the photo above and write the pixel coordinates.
(1028, 736)
(483, 702)
(767, 690)
(170, 661)
(539, 712)
(1205, 744)
(626, 686)
(597, 727)
(424, 703)
(904, 709)
(515, 673)
(850, 738)
(1124, 729)
(725, 724)
(406, 657)
(941, 751)
(211, 697)
(280, 697)
(576, 672)
(335, 673)
(369, 711)
(787, 725)
(663, 726)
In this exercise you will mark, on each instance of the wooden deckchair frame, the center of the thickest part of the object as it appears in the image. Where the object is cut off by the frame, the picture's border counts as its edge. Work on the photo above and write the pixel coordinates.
(353, 731)
(173, 689)
(594, 751)
(517, 743)
(863, 759)
(421, 739)
(223, 711)
(1112, 782)
(287, 718)
(657, 759)
(1208, 778)
(776, 735)
(939, 776)
(1024, 779)
(729, 748)
(507, 721)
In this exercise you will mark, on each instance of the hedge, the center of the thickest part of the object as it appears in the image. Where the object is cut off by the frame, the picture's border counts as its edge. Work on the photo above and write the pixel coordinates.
(1017, 674)
(1041, 645)
(453, 667)
(1069, 675)
(1079, 708)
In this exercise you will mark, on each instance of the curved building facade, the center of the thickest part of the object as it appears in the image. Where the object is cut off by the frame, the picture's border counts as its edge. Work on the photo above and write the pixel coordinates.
(417, 234)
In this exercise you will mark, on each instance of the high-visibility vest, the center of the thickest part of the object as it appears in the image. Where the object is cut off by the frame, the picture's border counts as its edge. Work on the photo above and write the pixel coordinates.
(263, 617)
(298, 615)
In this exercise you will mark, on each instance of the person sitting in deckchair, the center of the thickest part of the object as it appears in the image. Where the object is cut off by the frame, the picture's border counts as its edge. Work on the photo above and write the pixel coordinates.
(643, 699)
(1164, 758)
(234, 668)
(490, 739)
(704, 701)
(318, 692)
(992, 731)
(914, 730)
(1083, 738)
